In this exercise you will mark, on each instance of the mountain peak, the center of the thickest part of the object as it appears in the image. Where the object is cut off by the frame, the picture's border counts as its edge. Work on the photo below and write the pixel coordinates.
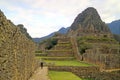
(89, 21)
(90, 8)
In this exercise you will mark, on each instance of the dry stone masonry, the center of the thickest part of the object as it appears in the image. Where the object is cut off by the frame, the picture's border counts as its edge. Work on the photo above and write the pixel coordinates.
(107, 59)
(17, 61)
(82, 72)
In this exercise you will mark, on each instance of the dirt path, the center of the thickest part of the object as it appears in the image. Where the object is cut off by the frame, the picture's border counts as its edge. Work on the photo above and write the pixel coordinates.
(40, 74)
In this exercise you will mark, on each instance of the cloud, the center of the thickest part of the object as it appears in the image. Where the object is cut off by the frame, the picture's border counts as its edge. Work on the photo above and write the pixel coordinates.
(108, 9)
(42, 17)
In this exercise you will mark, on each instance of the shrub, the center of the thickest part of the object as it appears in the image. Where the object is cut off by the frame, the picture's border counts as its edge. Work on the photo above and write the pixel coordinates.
(51, 43)
(38, 51)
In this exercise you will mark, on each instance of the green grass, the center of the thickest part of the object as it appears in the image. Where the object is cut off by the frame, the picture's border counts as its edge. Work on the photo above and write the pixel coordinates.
(56, 75)
(39, 57)
(66, 50)
(39, 51)
(54, 58)
(69, 63)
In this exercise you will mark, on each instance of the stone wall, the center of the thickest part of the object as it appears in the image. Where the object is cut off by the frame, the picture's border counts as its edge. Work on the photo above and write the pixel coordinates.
(83, 72)
(17, 60)
(75, 48)
(106, 58)
(59, 53)
(92, 72)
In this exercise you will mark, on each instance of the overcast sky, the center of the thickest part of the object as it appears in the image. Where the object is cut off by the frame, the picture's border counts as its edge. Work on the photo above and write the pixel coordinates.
(41, 17)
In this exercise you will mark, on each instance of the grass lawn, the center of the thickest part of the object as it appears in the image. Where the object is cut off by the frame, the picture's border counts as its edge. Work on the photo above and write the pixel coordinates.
(56, 75)
(39, 57)
(55, 58)
(69, 63)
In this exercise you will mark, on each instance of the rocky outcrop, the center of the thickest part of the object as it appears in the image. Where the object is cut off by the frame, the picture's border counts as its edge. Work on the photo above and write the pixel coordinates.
(17, 60)
(88, 22)
(24, 31)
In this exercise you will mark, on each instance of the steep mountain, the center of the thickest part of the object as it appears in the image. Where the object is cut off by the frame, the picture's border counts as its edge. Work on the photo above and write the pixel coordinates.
(24, 31)
(61, 31)
(87, 22)
(115, 27)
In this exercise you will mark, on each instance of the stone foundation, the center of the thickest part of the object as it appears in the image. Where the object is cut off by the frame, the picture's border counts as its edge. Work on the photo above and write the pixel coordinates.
(82, 72)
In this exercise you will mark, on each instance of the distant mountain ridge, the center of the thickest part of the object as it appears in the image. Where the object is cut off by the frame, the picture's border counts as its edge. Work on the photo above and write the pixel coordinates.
(115, 27)
(61, 31)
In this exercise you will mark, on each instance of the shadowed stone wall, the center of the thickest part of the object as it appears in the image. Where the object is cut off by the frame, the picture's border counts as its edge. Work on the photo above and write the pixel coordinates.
(91, 72)
(17, 60)
(83, 72)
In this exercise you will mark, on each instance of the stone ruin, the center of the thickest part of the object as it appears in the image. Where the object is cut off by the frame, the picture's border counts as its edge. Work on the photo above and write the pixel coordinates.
(17, 60)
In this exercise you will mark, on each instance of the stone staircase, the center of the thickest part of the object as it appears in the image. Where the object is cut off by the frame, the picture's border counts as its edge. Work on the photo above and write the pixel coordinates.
(62, 49)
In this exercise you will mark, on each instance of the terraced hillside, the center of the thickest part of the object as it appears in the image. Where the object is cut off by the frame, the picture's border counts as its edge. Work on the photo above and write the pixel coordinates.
(103, 51)
(61, 57)
(88, 40)
(62, 49)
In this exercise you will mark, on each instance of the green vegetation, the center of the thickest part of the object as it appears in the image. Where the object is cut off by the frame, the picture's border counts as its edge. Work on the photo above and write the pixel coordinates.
(60, 50)
(39, 57)
(55, 75)
(89, 42)
(39, 51)
(54, 58)
(49, 43)
(69, 63)
(93, 38)
(65, 44)
(117, 37)
(84, 46)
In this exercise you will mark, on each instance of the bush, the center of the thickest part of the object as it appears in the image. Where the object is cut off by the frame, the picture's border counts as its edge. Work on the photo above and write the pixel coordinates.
(51, 43)
(83, 44)
(38, 51)
(84, 47)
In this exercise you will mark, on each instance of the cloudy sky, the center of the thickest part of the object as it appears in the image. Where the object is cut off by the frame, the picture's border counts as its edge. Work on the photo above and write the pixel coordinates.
(42, 17)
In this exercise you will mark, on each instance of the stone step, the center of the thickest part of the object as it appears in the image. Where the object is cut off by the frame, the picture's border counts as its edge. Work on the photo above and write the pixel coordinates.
(63, 42)
(62, 48)
(60, 53)
(40, 54)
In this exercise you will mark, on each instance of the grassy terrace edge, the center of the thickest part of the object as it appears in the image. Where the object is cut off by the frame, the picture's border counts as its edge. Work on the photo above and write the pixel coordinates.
(69, 63)
(62, 75)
